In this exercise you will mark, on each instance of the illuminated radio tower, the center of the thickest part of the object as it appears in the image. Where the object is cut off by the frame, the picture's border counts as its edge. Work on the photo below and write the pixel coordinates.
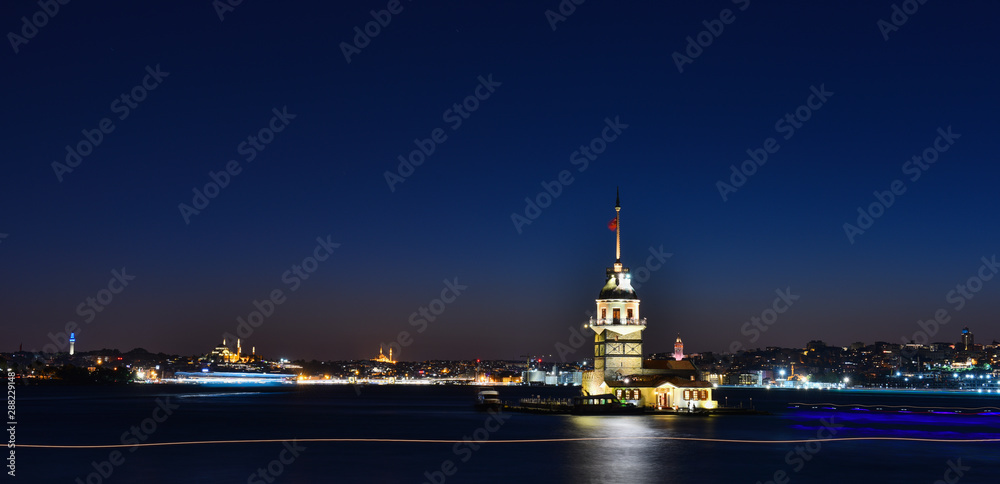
(72, 343)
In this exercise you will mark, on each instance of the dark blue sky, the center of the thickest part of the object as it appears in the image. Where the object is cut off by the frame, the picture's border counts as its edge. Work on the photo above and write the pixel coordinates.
(323, 175)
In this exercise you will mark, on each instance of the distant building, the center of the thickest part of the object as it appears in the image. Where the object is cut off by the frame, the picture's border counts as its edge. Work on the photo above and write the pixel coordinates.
(968, 339)
(381, 358)
(678, 349)
(752, 379)
(222, 354)
(619, 367)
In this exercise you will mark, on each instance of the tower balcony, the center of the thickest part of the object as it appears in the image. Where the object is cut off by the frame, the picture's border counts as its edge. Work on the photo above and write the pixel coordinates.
(616, 321)
(619, 325)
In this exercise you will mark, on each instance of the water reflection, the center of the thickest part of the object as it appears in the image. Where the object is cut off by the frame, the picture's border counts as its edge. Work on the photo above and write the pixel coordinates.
(624, 460)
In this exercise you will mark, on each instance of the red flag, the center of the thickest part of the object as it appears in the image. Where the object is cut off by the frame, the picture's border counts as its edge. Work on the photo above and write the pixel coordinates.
(613, 224)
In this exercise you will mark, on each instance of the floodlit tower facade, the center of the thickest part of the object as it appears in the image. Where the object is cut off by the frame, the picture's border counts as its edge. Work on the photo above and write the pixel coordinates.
(618, 326)
(72, 344)
(678, 349)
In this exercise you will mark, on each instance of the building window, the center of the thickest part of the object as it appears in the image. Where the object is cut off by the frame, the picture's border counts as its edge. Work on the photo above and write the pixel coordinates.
(617, 315)
(629, 313)
(604, 313)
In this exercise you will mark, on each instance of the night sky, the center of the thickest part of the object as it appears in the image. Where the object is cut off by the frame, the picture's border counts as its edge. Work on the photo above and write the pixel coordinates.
(543, 93)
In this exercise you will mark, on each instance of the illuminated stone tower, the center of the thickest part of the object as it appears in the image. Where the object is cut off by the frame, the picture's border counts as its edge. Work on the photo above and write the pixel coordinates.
(72, 343)
(618, 327)
(678, 349)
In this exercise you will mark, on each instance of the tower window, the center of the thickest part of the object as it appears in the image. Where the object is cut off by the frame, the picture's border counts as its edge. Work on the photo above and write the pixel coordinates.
(617, 315)
(629, 313)
(604, 313)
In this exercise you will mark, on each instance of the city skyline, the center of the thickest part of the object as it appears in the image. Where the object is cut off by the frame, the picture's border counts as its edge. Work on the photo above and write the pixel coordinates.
(564, 353)
(463, 161)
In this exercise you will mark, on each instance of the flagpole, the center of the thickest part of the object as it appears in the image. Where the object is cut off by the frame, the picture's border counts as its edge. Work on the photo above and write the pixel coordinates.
(618, 233)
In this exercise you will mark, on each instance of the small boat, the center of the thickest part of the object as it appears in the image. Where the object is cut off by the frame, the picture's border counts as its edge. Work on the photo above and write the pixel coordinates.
(606, 404)
(487, 399)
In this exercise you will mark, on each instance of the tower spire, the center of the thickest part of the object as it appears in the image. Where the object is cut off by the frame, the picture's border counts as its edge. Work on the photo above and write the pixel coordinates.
(618, 232)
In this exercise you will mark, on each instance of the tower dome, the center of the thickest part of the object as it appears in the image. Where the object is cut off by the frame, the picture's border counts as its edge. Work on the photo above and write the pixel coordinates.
(618, 286)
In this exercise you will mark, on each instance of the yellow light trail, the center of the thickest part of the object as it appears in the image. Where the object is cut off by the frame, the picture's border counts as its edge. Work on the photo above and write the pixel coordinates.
(508, 441)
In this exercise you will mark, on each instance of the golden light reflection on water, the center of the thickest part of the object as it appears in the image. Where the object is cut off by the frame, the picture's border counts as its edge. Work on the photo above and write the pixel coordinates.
(623, 460)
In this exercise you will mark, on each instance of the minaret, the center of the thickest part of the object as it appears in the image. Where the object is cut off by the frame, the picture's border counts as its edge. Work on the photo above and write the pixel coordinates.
(72, 343)
(618, 327)
(679, 349)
